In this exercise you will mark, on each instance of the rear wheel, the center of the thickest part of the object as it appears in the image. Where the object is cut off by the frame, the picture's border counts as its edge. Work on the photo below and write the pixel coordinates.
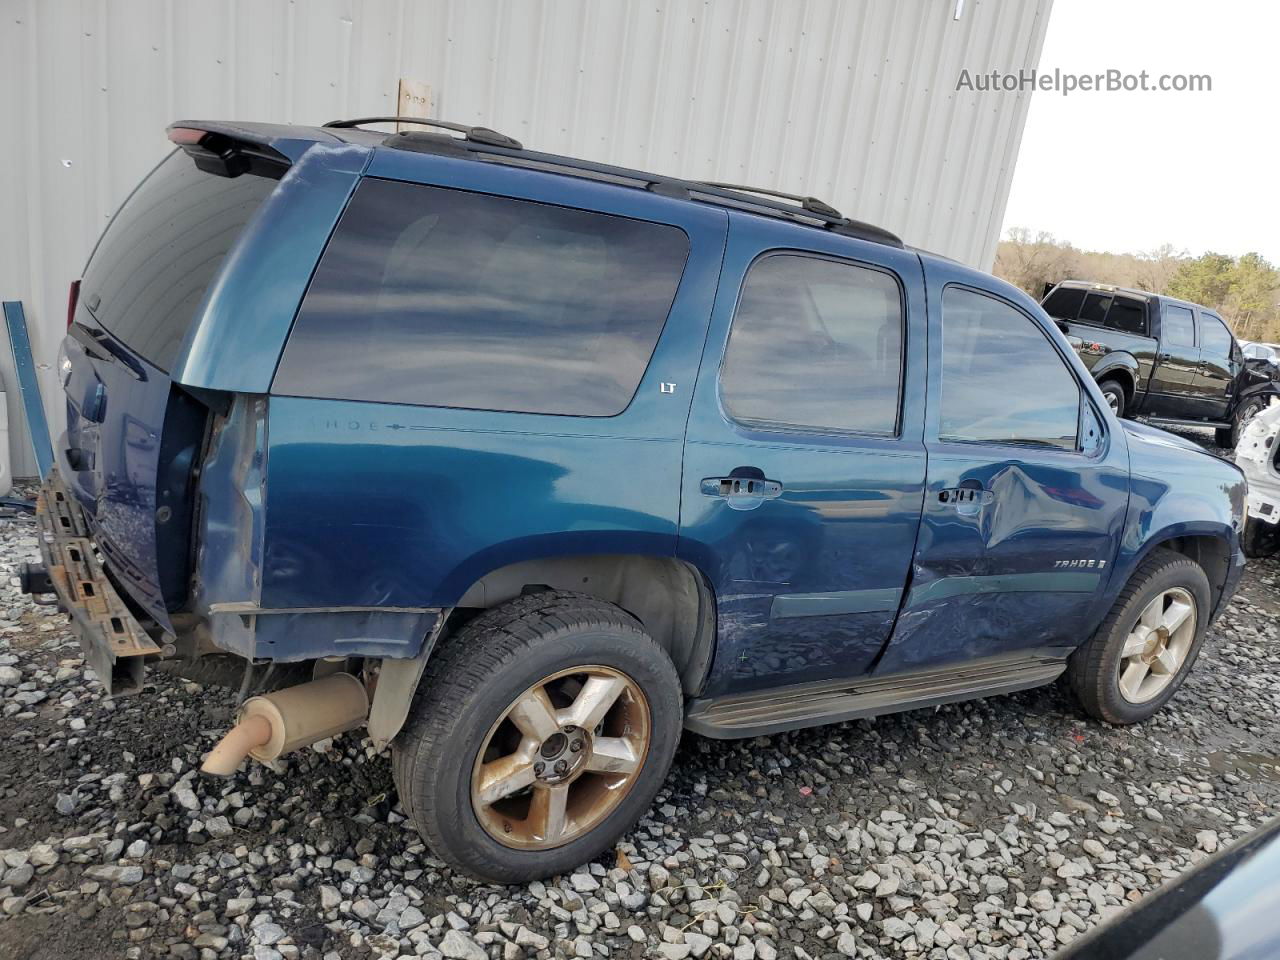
(540, 733)
(1144, 649)
(1113, 393)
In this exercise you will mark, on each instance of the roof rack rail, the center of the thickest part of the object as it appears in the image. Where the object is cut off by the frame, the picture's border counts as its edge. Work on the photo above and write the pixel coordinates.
(482, 135)
(810, 209)
(810, 204)
(488, 145)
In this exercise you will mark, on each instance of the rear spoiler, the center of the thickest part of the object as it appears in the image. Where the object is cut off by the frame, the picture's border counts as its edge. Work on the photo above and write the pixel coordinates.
(231, 149)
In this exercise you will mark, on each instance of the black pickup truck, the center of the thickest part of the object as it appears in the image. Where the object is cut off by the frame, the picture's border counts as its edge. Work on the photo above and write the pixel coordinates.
(1161, 358)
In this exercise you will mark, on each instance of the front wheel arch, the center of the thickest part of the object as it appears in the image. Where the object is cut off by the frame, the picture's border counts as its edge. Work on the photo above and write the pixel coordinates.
(1211, 552)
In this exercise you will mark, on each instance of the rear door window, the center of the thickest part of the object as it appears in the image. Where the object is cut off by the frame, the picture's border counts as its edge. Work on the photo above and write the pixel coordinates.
(446, 298)
(1178, 326)
(816, 344)
(162, 250)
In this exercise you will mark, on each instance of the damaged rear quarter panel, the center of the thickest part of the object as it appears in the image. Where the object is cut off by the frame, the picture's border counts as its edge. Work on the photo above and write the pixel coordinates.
(232, 495)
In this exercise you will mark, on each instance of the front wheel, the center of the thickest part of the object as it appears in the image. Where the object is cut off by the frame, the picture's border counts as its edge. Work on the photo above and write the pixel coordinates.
(1144, 649)
(1230, 436)
(1259, 539)
(539, 734)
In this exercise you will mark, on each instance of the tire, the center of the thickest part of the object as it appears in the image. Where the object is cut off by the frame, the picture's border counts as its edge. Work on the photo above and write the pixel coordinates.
(1230, 436)
(466, 699)
(1113, 393)
(1094, 670)
(1259, 539)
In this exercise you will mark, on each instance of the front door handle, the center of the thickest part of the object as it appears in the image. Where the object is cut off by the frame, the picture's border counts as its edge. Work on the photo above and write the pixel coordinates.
(742, 492)
(968, 498)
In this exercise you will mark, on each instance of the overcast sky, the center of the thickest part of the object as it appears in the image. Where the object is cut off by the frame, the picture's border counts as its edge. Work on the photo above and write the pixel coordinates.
(1127, 172)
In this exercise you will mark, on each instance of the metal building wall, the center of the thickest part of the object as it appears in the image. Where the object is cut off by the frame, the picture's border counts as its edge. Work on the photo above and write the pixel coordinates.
(853, 101)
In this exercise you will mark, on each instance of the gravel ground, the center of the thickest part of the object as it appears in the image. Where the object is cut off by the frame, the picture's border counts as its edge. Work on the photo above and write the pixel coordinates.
(995, 829)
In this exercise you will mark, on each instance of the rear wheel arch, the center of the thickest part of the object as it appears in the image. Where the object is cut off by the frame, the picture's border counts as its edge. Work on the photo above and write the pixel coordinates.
(1124, 377)
(673, 600)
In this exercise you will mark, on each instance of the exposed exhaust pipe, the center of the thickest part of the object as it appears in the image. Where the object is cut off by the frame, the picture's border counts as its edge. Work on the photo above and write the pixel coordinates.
(271, 725)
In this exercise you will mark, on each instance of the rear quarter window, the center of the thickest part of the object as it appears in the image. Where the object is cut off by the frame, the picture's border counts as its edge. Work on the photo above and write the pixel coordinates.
(441, 297)
(162, 250)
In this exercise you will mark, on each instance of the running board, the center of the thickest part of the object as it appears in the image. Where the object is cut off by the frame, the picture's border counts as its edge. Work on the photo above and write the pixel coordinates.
(1179, 422)
(813, 704)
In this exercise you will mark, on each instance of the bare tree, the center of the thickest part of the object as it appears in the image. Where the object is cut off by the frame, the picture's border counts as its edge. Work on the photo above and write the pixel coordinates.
(1156, 268)
(1031, 261)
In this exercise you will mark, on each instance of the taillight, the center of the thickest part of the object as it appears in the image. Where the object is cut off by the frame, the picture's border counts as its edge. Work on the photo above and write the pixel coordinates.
(185, 136)
(73, 297)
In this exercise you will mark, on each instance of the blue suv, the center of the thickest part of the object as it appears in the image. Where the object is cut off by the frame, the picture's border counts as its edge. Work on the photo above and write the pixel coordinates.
(523, 464)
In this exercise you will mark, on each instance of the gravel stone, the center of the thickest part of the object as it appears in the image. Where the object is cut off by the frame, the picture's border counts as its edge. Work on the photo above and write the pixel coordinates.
(456, 945)
(121, 875)
(699, 943)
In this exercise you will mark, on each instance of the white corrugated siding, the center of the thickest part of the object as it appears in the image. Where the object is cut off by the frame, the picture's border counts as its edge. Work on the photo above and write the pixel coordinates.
(852, 101)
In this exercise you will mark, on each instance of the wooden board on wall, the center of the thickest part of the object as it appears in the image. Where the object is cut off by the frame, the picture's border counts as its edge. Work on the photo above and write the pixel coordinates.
(414, 100)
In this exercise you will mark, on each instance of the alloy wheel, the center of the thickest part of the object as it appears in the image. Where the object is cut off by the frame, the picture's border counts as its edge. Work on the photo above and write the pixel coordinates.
(560, 758)
(1113, 402)
(1158, 645)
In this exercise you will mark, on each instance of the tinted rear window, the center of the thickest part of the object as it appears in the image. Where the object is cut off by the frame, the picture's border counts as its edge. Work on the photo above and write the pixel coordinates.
(1064, 303)
(1128, 316)
(1095, 309)
(446, 298)
(815, 344)
(162, 250)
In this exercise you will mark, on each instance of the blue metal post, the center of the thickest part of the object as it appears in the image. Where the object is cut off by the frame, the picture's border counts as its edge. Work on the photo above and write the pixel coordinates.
(37, 425)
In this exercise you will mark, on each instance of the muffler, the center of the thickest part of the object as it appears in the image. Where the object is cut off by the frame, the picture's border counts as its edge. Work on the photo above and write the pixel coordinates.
(273, 724)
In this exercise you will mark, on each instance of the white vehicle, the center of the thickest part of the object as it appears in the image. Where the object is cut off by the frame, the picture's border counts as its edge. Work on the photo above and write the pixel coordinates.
(1257, 454)
(1265, 352)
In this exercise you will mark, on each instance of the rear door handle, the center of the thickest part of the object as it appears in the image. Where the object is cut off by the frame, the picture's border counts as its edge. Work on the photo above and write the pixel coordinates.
(742, 493)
